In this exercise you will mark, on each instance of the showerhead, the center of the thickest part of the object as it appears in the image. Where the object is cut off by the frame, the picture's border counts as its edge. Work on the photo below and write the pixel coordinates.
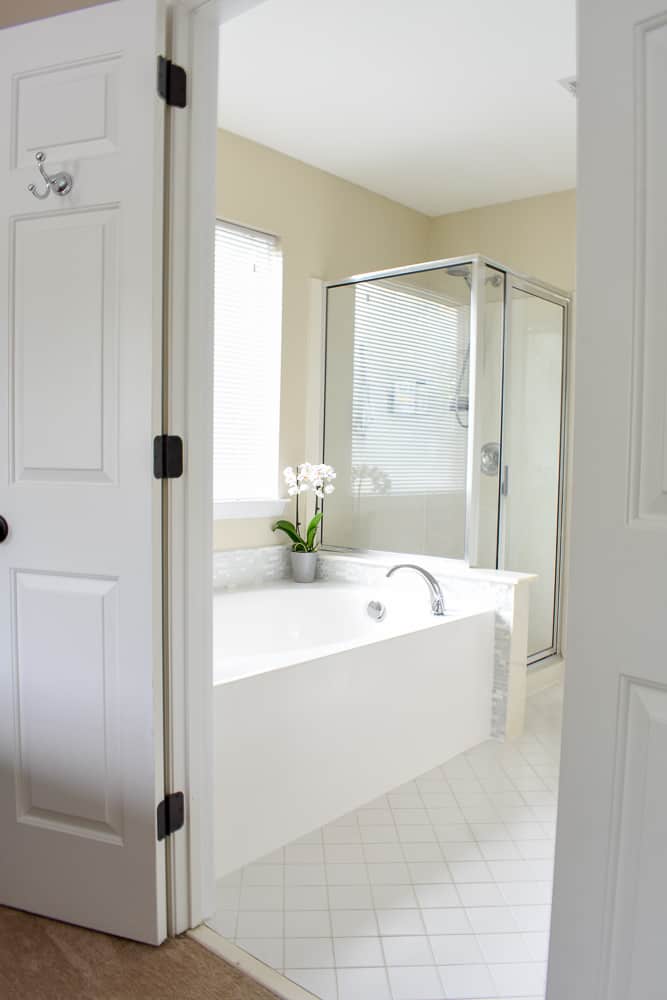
(464, 271)
(461, 271)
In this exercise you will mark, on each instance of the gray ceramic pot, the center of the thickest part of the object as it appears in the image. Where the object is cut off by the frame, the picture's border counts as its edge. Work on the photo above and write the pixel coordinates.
(304, 565)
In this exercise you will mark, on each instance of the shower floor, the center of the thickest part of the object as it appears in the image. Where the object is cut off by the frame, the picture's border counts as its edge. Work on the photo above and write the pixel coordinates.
(439, 889)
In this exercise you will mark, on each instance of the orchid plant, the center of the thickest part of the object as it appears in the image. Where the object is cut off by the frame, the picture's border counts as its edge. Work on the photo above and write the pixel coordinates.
(317, 479)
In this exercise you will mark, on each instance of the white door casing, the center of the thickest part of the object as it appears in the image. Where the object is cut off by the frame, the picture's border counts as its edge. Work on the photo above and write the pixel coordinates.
(193, 145)
(609, 914)
(80, 573)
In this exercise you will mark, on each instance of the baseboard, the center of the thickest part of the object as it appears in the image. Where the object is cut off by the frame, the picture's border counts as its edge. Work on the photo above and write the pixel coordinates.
(539, 678)
(251, 966)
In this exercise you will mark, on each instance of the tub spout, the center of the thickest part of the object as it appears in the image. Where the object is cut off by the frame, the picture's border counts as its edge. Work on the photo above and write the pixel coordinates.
(437, 600)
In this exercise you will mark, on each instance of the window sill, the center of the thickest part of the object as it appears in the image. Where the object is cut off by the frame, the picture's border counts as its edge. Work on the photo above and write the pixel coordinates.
(241, 509)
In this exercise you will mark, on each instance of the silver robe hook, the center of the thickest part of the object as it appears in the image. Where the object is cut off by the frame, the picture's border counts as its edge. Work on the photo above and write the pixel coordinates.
(60, 183)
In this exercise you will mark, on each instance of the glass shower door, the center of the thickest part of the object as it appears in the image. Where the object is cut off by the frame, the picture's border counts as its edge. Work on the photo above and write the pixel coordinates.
(530, 513)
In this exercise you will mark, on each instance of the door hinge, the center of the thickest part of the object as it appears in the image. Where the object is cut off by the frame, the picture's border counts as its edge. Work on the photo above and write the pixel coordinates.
(170, 814)
(167, 456)
(172, 82)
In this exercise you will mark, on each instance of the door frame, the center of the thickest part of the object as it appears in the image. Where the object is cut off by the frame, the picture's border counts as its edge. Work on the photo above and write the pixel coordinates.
(190, 218)
(191, 212)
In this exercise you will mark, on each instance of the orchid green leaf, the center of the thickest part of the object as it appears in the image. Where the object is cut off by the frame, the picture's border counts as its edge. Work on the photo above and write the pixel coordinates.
(312, 530)
(290, 531)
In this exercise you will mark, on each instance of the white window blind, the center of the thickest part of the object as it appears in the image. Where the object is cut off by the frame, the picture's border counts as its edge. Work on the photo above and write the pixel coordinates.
(248, 324)
(410, 375)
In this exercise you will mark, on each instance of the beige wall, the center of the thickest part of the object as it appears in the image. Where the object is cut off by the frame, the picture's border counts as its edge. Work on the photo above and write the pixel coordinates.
(18, 11)
(329, 229)
(535, 236)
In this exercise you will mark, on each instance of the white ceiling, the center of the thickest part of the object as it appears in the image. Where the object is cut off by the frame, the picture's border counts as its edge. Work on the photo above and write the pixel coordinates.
(441, 105)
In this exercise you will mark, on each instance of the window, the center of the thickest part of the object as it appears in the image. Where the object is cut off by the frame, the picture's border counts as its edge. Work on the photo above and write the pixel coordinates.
(409, 390)
(246, 380)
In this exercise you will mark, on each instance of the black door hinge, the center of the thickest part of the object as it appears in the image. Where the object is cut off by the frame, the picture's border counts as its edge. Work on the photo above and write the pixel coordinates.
(172, 82)
(170, 814)
(167, 456)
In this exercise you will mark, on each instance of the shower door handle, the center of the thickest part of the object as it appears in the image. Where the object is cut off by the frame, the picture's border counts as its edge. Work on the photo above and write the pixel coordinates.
(505, 481)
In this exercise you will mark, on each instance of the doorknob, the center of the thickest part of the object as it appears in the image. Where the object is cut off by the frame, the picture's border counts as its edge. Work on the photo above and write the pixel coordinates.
(4, 529)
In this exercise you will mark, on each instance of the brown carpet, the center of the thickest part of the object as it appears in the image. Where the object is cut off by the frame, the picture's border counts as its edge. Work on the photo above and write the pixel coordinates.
(45, 960)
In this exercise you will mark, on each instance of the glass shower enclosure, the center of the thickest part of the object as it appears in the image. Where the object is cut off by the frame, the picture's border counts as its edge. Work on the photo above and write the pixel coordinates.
(444, 416)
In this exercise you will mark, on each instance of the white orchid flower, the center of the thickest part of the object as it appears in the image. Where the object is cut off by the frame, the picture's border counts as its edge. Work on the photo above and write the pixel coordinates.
(307, 476)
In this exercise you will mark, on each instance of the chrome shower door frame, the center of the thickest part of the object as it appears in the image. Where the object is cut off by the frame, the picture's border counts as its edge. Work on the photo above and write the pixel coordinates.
(549, 293)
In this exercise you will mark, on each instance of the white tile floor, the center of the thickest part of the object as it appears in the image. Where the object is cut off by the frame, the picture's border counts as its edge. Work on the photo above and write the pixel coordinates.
(440, 889)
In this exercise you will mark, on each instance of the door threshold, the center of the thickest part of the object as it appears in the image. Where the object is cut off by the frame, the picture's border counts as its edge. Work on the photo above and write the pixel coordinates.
(263, 974)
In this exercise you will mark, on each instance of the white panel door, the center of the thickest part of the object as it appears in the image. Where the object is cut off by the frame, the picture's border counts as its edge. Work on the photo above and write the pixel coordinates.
(610, 907)
(80, 389)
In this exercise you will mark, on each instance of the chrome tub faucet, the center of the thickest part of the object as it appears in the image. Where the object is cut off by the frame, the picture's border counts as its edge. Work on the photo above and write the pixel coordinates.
(437, 599)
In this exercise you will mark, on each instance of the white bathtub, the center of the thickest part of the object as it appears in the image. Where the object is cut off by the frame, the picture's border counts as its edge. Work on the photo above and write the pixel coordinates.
(319, 709)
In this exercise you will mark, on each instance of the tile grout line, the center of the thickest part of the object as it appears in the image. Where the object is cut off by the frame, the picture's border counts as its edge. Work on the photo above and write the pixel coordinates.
(412, 886)
(329, 917)
(444, 861)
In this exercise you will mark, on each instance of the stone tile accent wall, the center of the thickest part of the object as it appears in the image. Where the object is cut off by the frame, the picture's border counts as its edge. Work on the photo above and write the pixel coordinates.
(250, 567)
